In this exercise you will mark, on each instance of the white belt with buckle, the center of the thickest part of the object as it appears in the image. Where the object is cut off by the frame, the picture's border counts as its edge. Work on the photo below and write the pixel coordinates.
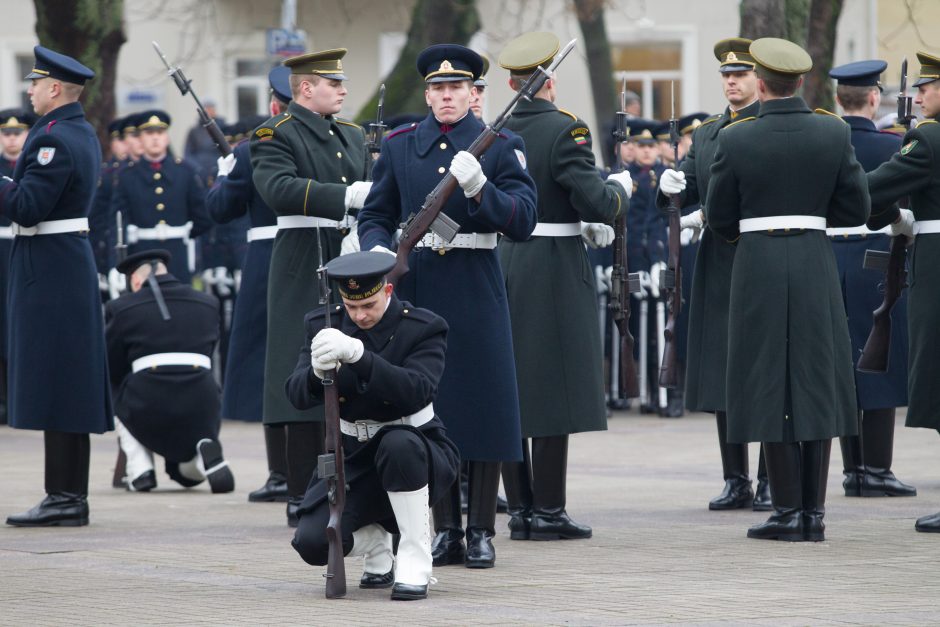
(856, 230)
(557, 229)
(261, 232)
(305, 222)
(924, 227)
(6, 232)
(486, 241)
(159, 233)
(364, 430)
(196, 360)
(782, 223)
(52, 227)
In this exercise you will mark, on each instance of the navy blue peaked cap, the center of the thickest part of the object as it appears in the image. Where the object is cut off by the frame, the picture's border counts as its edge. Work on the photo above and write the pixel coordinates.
(51, 64)
(859, 73)
(449, 62)
(279, 79)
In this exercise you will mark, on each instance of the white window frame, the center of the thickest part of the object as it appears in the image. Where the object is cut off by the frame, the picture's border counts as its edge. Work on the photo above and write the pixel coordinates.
(259, 82)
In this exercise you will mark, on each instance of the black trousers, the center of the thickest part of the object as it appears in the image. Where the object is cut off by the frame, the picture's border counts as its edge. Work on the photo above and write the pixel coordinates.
(305, 442)
(67, 459)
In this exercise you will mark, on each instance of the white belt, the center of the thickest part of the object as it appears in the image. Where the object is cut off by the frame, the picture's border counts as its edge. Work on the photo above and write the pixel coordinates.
(856, 230)
(52, 227)
(160, 232)
(6, 232)
(305, 222)
(261, 232)
(363, 430)
(485, 241)
(782, 223)
(923, 227)
(197, 360)
(554, 229)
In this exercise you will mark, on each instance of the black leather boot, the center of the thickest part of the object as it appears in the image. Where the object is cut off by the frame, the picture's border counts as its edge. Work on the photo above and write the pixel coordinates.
(66, 482)
(853, 467)
(783, 472)
(878, 446)
(815, 471)
(737, 492)
(304, 445)
(550, 521)
(447, 547)
(481, 516)
(517, 479)
(762, 501)
(275, 488)
(60, 509)
(293, 504)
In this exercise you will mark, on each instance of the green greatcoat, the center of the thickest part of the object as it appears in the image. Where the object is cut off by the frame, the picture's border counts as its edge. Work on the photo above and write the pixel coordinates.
(707, 359)
(549, 282)
(790, 369)
(302, 163)
(915, 171)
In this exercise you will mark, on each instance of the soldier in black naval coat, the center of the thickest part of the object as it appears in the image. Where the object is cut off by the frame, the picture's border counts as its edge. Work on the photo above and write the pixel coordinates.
(54, 302)
(160, 339)
(777, 181)
(388, 358)
(461, 281)
(161, 197)
(866, 458)
(914, 171)
(710, 292)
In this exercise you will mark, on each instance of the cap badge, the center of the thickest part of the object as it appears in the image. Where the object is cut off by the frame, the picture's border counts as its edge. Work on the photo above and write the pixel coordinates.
(153, 120)
(446, 66)
(731, 57)
(352, 284)
(696, 123)
(13, 121)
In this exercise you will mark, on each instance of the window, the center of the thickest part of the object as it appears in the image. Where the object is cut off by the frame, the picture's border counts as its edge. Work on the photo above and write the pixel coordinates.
(653, 70)
(251, 87)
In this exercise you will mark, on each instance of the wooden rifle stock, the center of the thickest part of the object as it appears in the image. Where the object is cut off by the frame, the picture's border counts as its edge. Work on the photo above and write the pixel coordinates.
(671, 283)
(874, 357)
(619, 305)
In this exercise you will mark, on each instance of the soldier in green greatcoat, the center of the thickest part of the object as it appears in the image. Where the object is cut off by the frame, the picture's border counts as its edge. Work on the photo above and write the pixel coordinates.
(778, 179)
(552, 302)
(309, 167)
(707, 358)
(915, 172)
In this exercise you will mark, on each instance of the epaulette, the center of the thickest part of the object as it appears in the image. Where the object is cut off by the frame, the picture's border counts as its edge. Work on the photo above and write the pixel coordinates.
(714, 118)
(287, 116)
(753, 117)
(823, 111)
(411, 312)
(413, 126)
(568, 113)
(338, 121)
(320, 312)
(922, 122)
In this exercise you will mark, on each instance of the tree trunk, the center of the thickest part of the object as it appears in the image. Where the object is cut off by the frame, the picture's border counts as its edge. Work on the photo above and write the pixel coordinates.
(91, 31)
(432, 22)
(821, 41)
(600, 66)
(763, 18)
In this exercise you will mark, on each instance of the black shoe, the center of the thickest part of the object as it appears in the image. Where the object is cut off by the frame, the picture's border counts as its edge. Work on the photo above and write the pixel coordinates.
(786, 525)
(480, 551)
(619, 404)
(556, 526)
(813, 527)
(737, 494)
(675, 406)
(925, 524)
(273, 490)
(144, 483)
(216, 468)
(371, 581)
(448, 548)
(61, 509)
(293, 504)
(519, 525)
(409, 592)
(762, 502)
(882, 482)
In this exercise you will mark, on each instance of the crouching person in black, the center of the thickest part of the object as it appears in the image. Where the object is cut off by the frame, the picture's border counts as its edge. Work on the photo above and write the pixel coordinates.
(398, 459)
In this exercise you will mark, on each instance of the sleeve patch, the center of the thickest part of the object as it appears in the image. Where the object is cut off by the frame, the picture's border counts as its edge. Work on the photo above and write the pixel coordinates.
(906, 149)
(579, 131)
(45, 155)
(580, 140)
(521, 157)
(264, 132)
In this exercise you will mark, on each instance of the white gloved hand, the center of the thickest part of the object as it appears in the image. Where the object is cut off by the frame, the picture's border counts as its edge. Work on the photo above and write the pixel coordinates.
(226, 165)
(694, 220)
(321, 364)
(333, 344)
(468, 172)
(103, 286)
(117, 283)
(381, 249)
(597, 234)
(904, 224)
(356, 194)
(672, 182)
(625, 180)
(350, 243)
(655, 275)
(222, 281)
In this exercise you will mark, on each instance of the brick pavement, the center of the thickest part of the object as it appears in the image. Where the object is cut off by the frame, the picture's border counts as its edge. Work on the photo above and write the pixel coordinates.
(657, 557)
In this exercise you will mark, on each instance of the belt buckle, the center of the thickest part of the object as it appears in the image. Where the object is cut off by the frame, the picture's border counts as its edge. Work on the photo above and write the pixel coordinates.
(362, 431)
(160, 230)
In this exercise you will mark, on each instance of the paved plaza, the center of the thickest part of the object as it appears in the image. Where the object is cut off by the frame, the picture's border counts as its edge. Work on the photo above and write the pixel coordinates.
(658, 556)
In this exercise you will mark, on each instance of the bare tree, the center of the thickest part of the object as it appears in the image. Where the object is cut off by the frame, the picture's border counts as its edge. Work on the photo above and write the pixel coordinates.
(600, 66)
(92, 31)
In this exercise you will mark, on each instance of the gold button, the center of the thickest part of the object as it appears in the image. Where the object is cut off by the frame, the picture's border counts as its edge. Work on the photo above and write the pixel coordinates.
(343, 178)
(342, 399)
(160, 206)
(162, 222)
(443, 146)
(339, 155)
(440, 170)
(404, 311)
(331, 131)
(159, 190)
(157, 176)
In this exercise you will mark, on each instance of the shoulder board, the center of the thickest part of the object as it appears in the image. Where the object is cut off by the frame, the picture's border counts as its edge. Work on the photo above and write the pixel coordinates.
(413, 126)
(319, 312)
(287, 116)
(338, 121)
(923, 122)
(714, 118)
(824, 112)
(753, 117)
(410, 312)
(568, 113)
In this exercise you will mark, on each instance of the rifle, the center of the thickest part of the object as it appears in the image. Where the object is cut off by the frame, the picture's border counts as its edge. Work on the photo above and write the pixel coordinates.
(620, 278)
(330, 463)
(874, 357)
(430, 216)
(120, 249)
(376, 132)
(671, 278)
(185, 87)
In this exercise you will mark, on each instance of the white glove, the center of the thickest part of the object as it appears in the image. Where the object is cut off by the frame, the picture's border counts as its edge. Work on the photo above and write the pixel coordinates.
(655, 275)
(223, 283)
(625, 180)
(603, 277)
(672, 182)
(226, 165)
(103, 286)
(905, 224)
(350, 242)
(381, 249)
(597, 234)
(694, 220)
(468, 172)
(334, 345)
(117, 283)
(357, 193)
(321, 364)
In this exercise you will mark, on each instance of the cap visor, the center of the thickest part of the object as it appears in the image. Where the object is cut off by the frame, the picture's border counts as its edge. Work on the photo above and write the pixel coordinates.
(33, 75)
(453, 78)
(924, 81)
(334, 77)
(735, 68)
